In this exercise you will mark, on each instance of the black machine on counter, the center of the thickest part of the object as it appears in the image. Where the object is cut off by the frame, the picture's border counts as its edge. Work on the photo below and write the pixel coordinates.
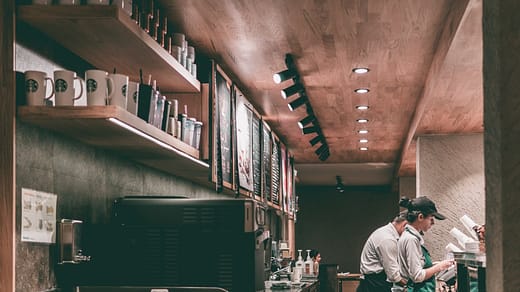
(165, 241)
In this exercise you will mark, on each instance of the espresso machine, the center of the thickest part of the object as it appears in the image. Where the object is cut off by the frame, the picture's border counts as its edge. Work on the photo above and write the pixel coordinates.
(171, 241)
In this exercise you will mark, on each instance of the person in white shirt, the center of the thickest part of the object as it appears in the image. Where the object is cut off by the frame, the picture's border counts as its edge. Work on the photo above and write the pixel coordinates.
(414, 259)
(379, 265)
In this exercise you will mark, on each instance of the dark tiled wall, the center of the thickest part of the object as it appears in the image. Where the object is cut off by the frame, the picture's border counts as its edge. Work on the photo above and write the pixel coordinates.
(338, 224)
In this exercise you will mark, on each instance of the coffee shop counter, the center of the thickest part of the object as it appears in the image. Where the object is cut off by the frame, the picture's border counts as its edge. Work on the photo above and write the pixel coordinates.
(307, 286)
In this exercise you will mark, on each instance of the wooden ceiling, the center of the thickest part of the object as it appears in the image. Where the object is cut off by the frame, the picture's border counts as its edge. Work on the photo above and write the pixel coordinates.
(425, 60)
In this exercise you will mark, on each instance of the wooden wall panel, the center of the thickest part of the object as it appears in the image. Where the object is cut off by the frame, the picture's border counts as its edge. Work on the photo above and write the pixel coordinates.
(7, 165)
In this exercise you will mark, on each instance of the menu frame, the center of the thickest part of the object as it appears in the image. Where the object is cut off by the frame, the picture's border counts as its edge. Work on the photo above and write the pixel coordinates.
(223, 146)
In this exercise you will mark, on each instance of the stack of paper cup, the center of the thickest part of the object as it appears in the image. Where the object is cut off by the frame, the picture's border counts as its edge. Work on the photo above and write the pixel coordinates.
(461, 237)
(452, 248)
(469, 224)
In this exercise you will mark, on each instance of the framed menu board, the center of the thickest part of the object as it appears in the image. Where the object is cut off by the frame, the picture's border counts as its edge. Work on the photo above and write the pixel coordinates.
(266, 162)
(290, 186)
(257, 156)
(283, 184)
(244, 134)
(275, 170)
(223, 123)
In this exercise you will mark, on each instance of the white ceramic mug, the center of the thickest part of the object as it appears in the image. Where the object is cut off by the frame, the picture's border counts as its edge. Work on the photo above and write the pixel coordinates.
(97, 87)
(132, 99)
(69, 2)
(36, 87)
(42, 2)
(98, 2)
(119, 90)
(64, 87)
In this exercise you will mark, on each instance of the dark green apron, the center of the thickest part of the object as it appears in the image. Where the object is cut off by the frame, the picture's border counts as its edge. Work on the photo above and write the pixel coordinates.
(426, 285)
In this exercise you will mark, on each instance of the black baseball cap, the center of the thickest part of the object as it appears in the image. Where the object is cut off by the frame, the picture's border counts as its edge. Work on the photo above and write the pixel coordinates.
(425, 206)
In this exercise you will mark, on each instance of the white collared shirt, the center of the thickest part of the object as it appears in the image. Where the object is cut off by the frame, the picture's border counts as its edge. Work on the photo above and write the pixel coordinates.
(411, 258)
(380, 253)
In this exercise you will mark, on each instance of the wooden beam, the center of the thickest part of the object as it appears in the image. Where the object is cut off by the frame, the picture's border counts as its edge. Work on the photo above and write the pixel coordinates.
(453, 21)
(7, 154)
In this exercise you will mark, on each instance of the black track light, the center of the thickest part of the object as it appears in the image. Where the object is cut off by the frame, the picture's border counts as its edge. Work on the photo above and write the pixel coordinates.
(323, 156)
(283, 76)
(308, 130)
(305, 121)
(316, 140)
(297, 102)
(323, 148)
(291, 90)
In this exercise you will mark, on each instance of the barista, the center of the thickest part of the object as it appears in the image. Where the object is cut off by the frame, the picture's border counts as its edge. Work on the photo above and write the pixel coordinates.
(414, 259)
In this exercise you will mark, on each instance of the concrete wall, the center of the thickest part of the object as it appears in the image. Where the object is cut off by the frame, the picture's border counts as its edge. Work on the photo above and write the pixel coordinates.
(450, 171)
(338, 224)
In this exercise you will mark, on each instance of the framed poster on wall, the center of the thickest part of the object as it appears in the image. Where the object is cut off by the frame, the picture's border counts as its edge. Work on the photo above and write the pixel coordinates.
(283, 184)
(223, 127)
(275, 170)
(244, 134)
(266, 162)
(257, 156)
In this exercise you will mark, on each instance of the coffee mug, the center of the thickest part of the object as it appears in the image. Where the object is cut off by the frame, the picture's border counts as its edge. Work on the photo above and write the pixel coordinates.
(118, 92)
(36, 87)
(98, 2)
(69, 2)
(42, 2)
(97, 87)
(64, 87)
(132, 94)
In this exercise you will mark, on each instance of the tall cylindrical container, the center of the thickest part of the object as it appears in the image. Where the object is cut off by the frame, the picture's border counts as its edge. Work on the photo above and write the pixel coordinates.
(196, 134)
(190, 127)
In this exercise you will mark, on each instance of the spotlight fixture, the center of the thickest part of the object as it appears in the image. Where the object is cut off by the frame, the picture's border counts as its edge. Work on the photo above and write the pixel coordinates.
(362, 90)
(363, 148)
(362, 107)
(284, 75)
(363, 140)
(291, 90)
(362, 121)
(363, 131)
(298, 88)
(308, 130)
(315, 140)
(297, 102)
(360, 70)
(323, 148)
(340, 187)
(305, 121)
(323, 156)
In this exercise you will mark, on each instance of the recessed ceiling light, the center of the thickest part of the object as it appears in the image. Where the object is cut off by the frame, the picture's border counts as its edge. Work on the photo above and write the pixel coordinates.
(363, 148)
(361, 90)
(360, 70)
(363, 131)
(363, 140)
(362, 107)
(362, 121)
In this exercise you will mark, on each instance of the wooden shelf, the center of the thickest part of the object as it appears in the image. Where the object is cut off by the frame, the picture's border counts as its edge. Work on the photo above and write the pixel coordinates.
(108, 38)
(113, 128)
